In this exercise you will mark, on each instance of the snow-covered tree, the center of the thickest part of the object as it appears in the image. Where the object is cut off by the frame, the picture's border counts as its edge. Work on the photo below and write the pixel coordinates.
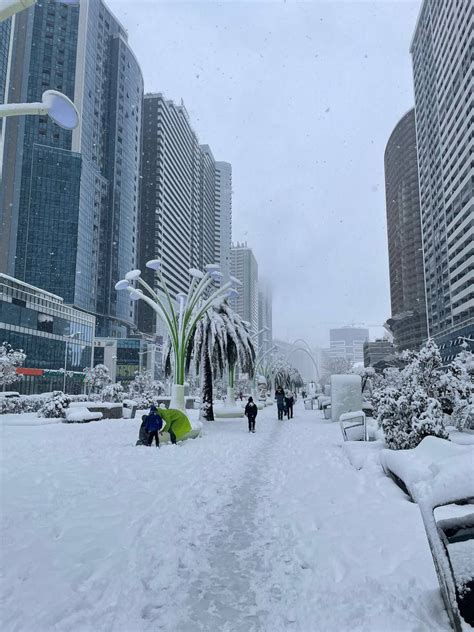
(367, 374)
(10, 359)
(144, 389)
(113, 393)
(55, 406)
(457, 390)
(407, 405)
(221, 341)
(284, 374)
(97, 378)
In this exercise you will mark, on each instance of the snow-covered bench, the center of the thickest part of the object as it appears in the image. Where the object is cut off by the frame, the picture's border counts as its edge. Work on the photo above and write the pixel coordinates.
(354, 426)
(409, 468)
(81, 414)
(446, 503)
(109, 410)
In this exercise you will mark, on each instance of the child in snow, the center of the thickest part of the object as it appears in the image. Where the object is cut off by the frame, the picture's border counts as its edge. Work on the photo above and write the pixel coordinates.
(153, 424)
(251, 411)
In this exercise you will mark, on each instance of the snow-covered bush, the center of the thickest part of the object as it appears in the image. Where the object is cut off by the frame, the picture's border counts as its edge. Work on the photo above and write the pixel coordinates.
(97, 379)
(113, 393)
(10, 359)
(457, 390)
(10, 405)
(55, 406)
(144, 389)
(407, 405)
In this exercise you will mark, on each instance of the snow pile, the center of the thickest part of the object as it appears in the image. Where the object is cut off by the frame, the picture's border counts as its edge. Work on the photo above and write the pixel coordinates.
(81, 414)
(363, 453)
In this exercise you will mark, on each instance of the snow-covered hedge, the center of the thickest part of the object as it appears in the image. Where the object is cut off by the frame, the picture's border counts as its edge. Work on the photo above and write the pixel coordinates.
(144, 389)
(33, 403)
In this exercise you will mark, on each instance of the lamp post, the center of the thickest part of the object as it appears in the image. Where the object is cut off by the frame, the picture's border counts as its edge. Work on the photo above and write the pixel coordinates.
(180, 323)
(56, 104)
(70, 337)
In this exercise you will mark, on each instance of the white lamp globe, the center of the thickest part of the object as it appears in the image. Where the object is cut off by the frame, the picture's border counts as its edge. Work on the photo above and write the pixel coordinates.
(154, 264)
(136, 295)
(61, 109)
(194, 272)
(122, 285)
(212, 267)
(132, 275)
(232, 293)
(235, 281)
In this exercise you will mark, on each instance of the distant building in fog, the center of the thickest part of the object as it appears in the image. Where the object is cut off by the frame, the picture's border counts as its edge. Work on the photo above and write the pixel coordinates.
(245, 268)
(348, 343)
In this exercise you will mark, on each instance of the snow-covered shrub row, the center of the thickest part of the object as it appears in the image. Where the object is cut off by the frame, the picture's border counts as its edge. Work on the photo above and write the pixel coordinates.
(411, 403)
(32, 403)
(56, 406)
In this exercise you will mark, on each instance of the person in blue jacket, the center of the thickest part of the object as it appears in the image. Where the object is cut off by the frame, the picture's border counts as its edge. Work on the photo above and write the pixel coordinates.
(153, 425)
(280, 400)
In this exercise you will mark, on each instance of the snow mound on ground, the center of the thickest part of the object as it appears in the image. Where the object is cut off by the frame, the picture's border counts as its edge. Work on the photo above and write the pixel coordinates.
(361, 453)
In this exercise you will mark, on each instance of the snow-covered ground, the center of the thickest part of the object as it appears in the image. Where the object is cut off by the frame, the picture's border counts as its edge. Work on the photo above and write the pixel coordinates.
(230, 532)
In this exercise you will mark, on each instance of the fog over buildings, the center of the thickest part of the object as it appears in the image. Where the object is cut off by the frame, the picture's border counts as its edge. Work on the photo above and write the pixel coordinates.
(297, 97)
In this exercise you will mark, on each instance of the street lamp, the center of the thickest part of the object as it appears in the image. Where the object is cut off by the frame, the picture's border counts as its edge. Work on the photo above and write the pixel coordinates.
(76, 334)
(56, 104)
(180, 323)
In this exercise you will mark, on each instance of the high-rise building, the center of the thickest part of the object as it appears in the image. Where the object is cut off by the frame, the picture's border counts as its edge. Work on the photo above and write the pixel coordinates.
(348, 343)
(265, 317)
(444, 100)
(179, 199)
(407, 281)
(223, 227)
(69, 200)
(245, 268)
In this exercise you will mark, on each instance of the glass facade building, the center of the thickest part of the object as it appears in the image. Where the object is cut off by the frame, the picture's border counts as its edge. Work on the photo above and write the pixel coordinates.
(405, 251)
(442, 55)
(41, 324)
(69, 200)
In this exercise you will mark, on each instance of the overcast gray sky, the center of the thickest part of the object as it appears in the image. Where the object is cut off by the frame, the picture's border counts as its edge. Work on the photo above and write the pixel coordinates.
(301, 98)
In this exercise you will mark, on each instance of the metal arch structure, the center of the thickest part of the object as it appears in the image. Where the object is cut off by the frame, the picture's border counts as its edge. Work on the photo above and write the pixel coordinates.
(308, 353)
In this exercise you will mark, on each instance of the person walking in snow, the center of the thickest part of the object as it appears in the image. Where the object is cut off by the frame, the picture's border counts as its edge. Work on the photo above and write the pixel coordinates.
(251, 411)
(153, 425)
(280, 400)
(289, 402)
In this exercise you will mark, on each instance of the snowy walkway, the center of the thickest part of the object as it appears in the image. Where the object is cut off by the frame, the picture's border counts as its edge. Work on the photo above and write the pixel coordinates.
(231, 532)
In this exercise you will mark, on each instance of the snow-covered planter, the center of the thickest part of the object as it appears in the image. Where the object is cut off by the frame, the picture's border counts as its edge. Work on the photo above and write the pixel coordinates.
(56, 406)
